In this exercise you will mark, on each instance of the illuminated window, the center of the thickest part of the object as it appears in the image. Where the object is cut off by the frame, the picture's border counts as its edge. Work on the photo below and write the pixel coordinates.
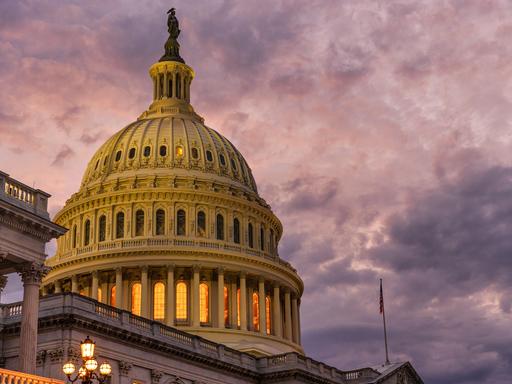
(139, 223)
(136, 298)
(262, 238)
(74, 236)
(118, 155)
(179, 151)
(195, 153)
(87, 232)
(181, 223)
(159, 301)
(147, 151)
(163, 150)
(131, 154)
(220, 227)
(236, 230)
(102, 228)
(82, 292)
(100, 298)
(251, 236)
(226, 306)
(203, 303)
(160, 222)
(181, 301)
(209, 156)
(113, 296)
(268, 314)
(119, 225)
(238, 306)
(201, 224)
(255, 312)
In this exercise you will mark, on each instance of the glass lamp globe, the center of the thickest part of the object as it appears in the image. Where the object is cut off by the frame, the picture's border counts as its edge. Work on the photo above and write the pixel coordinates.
(68, 368)
(87, 348)
(105, 369)
(91, 364)
(82, 372)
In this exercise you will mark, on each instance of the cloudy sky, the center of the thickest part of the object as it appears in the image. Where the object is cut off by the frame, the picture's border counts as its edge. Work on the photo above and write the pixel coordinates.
(379, 131)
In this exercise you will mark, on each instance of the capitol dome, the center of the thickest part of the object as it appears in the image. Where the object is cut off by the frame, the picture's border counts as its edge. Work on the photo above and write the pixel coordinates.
(168, 225)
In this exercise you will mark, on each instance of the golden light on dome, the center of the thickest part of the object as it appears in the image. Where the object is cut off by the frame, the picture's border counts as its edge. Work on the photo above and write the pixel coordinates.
(159, 301)
(203, 303)
(179, 151)
(136, 298)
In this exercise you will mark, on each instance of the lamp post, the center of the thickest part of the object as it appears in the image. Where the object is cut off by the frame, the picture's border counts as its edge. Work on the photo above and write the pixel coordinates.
(87, 372)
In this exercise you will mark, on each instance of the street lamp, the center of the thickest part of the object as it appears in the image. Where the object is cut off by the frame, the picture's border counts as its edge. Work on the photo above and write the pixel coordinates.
(86, 372)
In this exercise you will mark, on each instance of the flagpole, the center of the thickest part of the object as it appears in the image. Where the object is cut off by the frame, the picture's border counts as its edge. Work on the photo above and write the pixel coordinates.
(384, 321)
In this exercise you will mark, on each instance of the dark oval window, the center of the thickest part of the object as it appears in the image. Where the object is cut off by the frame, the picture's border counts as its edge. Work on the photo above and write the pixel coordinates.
(105, 161)
(131, 154)
(118, 155)
(233, 164)
(209, 156)
(147, 151)
(222, 159)
(163, 150)
(195, 153)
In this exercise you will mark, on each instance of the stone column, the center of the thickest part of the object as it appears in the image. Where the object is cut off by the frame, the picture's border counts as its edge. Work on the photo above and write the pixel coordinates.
(263, 312)
(3, 283)
(170, 305)
(174, 85)
(94, 285)
(119, 288)
(74, 284)
(144, 310)
(298, 322)
(166, 85)
(277, 312)
(31, 276)
(295, 320)
(287, 316)
(243, 302)
(58, 286)
(195, 297)
(220, 298)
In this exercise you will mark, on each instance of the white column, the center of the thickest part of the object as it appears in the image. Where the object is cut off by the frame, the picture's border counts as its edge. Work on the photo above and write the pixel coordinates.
(119, 288)
(31, 276)
(263, 312)
(220, 298)
(243, 302)
(295, 320)
(74, 284)
(144, 292)
(287, 316)
(170, 305)
(195, 297)
(277, 312)
(94, 285)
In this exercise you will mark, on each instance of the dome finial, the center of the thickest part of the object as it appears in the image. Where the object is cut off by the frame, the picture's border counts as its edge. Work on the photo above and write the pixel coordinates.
(172, 47)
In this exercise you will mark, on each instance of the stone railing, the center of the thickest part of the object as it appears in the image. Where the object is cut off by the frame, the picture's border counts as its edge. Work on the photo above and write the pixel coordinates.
(21, 195)
(14, 377)
(157, 243)
(98, 313)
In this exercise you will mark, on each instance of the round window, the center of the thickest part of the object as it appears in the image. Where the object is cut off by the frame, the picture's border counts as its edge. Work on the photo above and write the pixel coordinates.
(163, 151)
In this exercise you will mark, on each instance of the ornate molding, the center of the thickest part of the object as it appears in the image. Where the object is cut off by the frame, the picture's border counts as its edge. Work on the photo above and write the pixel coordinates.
(41, 357)
(56, 355)
(32, 273)
(156, 376)
(124, 367)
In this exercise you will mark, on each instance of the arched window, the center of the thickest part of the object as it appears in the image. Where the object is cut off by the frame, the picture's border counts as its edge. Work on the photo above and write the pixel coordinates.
(226, 306)
(233, 164)
(100, 295)
(147, 151)
(251, 236)
(204, 303)
(163, 150)
(238, 307)
(220, 227)
(102, 228)
(136, 298)
(159, 301)
(139, 223)
(119, 225)
(74, 236)
(236, 230)
(178, 86)
(222, 159)
(181, 301)
(181, 223)
(195, 153)
(87, 232)
(161, 86)
(209, 156)
(169, 86)
(118, 155)
(160, 222)
(268, 314)
(272, 241)
(131, 154)
(201, 224)
(255, 311)
(262, 238)
(113, 296)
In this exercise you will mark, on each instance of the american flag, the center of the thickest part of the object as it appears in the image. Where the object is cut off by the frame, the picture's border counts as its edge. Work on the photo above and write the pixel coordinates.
(381, 301)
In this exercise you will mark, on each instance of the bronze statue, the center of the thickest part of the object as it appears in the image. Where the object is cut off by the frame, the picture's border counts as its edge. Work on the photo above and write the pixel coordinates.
(172, 47)
(173, 25)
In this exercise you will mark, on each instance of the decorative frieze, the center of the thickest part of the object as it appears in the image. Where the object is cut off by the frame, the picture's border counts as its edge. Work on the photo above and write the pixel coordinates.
(124, 367)
(56, 355)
